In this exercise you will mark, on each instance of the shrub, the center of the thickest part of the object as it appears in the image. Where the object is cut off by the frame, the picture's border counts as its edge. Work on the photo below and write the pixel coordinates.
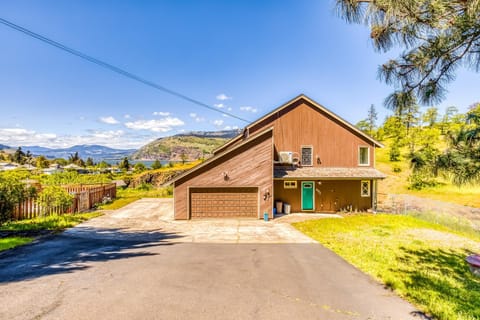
(53, 197)
(12, 191)
(420, 180)
(144, 186)
(396, 169)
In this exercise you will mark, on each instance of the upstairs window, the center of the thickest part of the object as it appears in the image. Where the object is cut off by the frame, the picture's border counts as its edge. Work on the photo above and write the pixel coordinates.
(364, 156)
(306, 156)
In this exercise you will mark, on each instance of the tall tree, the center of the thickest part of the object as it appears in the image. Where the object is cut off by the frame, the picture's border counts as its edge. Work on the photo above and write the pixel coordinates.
(371, 120)
(19, 156)
(156, 164)
(462, 158)
(124, 164)
(73, 158)
(89, 162)
(430, 117)
(438, 37)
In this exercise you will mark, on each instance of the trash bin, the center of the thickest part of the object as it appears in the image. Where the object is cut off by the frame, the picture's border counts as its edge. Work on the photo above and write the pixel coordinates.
(274, 212)
(279, 205)
(286, 208)
(265, 216)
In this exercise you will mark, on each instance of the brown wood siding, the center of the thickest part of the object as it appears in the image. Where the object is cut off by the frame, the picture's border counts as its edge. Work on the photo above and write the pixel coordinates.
(330, 195)
(302, 124)
(250, 165)
(223, 202)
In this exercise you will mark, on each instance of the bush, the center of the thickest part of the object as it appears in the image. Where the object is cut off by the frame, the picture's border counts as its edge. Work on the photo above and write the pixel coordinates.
(421, 180)
(53, 197)
(12, 191)
(144, 186)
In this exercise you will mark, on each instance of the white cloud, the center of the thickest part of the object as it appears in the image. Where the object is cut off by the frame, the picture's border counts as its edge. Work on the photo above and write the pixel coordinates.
(109, 120)
(161, 113)
(249, 109)
(223, 97)
(219, 105)
(160, 125)
(229, 109)
(82, 118)
(196, 117)
(127, 116)
(218, 123)
(113, 138)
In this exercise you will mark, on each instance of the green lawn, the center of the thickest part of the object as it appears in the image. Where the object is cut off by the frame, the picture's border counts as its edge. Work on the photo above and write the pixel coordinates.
(422, 261)
(129, 195)
(53, 222)
(12, 242)
(34, 227)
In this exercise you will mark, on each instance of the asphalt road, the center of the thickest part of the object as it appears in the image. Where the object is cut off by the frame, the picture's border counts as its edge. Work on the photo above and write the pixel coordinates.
(151, 274)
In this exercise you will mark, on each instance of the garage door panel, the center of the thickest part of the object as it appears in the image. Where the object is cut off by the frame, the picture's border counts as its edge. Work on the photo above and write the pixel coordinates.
(224, 202)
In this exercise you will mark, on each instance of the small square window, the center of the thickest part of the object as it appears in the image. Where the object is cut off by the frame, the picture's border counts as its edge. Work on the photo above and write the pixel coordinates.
(290, 184)
(306, 155)
(365, 188)
(364, 156)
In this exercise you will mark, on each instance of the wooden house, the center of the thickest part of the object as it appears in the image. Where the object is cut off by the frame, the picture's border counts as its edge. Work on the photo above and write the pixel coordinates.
(300, 154)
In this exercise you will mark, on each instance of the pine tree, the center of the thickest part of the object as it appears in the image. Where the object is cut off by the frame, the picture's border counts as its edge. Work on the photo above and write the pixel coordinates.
(438, 37)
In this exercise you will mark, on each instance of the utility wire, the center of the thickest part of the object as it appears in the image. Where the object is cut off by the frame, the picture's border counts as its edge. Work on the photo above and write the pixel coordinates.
(114, 68)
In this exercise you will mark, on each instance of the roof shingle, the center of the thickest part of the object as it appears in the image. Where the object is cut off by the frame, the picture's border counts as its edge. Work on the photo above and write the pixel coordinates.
(327, 173)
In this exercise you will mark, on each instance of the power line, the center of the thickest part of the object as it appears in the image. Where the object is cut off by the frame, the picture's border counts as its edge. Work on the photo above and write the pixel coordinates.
(113, 68)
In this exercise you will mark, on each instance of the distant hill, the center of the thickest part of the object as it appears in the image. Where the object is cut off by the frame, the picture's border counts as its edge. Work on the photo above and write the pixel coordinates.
(96, 152)
(2, 147)
(194, 145)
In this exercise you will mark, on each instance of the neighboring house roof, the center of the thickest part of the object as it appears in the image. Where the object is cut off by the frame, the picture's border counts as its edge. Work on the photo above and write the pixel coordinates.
(327, 173)
(220, 155)
(72, 166)
(315, 104)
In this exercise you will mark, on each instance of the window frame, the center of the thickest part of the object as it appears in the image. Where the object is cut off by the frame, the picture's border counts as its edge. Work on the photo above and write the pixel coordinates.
(360, 156)
(311, 155)
(363, 195)
(290, 184)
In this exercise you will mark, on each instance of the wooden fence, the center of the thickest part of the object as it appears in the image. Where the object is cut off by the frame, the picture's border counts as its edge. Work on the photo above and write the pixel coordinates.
(85, 198)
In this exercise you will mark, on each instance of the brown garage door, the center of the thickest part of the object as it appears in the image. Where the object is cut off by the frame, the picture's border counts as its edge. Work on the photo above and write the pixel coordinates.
(223, 202)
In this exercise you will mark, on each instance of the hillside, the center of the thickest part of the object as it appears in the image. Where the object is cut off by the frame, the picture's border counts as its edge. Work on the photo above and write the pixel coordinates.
(193, 145)
(397, 181)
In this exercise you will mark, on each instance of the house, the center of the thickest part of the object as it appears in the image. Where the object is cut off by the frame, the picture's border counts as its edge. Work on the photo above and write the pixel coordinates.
(301, 154)
(5, 166)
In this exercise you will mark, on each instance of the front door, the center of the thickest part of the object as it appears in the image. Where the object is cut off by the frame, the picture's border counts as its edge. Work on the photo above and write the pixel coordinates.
(308, 188)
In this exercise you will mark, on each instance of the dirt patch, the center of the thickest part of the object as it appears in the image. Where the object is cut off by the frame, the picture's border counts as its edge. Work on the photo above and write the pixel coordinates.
(403, 203)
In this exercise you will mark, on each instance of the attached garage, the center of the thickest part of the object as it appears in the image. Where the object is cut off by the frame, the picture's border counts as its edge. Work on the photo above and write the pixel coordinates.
(224, 202)
(236, 183)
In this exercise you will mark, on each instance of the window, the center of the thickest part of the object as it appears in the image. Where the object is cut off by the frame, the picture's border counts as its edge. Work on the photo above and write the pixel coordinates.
(306, 156)
(364, 156)
(290, 184)
(365, 188)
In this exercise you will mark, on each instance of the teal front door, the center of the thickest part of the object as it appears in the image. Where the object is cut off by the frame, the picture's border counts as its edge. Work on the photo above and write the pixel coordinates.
(308, 188)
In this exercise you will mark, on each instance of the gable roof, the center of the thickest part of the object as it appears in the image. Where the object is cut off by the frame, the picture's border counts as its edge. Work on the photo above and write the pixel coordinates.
(316, 105)
(220, 155)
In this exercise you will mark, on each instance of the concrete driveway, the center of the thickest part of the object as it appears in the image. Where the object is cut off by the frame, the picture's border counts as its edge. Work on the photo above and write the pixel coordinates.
(137, 263)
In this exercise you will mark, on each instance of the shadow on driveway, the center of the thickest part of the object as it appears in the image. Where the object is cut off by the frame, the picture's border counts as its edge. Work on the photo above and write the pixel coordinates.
(76, 249)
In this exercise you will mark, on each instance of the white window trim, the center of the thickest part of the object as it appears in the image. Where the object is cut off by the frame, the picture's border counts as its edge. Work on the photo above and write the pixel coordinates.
(368, 156)
(290, 184)
(311, 157)
(369, 188)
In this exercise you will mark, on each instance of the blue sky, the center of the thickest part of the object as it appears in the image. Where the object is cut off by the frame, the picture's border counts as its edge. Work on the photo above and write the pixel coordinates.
(244, 57)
